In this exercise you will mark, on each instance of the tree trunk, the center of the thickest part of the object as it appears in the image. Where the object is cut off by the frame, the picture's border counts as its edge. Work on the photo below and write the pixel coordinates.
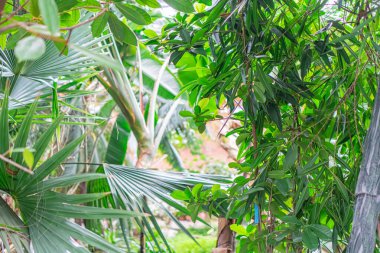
(367, 207)
(226, 237)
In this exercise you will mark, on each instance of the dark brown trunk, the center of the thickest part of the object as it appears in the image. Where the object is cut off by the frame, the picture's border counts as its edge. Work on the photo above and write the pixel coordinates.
(142, 243)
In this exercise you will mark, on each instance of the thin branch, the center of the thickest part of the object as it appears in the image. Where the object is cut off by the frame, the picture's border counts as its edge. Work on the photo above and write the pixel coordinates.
(14, 12)
(20, 167)
(8, 27)
(153, 99)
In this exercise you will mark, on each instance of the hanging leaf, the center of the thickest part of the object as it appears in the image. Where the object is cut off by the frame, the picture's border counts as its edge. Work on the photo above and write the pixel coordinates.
(275, 115)
(301, 199)
(310, 239)
(121, 31)
(149, 3)
(134, 13)
(33, 8)
(321, 231)
(64, 5)
(306, 60)
(49, 13)
(291, 157)
(98, 25)
(181, 5)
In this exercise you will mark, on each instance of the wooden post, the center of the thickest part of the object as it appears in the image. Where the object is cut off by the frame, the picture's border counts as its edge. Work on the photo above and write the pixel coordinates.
(226, 237)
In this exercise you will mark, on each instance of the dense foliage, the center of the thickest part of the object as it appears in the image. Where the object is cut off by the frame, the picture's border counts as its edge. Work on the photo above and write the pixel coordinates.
(301, 77)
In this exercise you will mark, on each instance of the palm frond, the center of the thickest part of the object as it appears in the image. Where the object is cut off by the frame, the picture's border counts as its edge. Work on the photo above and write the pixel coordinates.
(39, 75)
(46, 217)
(133, 188)
(13, 229)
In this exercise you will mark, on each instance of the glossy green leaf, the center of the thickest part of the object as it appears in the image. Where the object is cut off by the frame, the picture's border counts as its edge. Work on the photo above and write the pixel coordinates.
(135, 14)
(310, 239)
(98, 25)
(121, 31)
(181, 5)
(323, 232)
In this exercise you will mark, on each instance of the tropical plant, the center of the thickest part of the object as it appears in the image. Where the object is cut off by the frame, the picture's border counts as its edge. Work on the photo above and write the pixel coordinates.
(39, 209)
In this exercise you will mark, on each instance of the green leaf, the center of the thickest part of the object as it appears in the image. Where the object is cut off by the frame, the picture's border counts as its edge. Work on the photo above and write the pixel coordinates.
(291, 157)
(28, 157)
(50, 16)
(239, 229)
(310, 239)
(23, 133)
(341, 187)
(274, 114)
(150, 3)
(354, 32)
(215, 12)
(323, 232)
(306, 59)
(98, 25)
(134, 14)
(4, 126)
(51, 164)
(118, 143)
(64, 5)
(75, 198)
(89, 212)
(186, 114)
(180, 195)
(62, 48)
(121, 31)
(291, 219)
(181, 5)
(262, 77)
(197, 190)
(278, 174)
(301, 199)
(63, 181)
(42, 143)
(30, 48)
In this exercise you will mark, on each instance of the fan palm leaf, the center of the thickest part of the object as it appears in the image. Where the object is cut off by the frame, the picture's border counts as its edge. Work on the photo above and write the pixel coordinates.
(47, 214)
(133, 188)
(39, 75)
